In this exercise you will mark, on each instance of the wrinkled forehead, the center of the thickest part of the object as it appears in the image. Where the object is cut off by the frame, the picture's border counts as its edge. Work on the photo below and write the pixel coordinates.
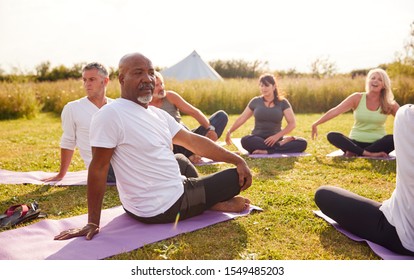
(141, 62)
(90, 73)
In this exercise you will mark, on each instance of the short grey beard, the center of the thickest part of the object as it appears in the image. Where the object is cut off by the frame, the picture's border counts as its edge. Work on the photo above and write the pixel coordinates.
(145, 99)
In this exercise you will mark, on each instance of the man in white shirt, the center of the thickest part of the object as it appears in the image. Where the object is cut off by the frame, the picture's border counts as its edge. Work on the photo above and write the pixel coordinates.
(136, 139)
(76, 118)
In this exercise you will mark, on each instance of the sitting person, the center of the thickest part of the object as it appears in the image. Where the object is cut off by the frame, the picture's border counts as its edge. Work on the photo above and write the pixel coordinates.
(268, 110)
(371, 108)
(391, 223)
(76, 118)
(173, 103)
(136, 139)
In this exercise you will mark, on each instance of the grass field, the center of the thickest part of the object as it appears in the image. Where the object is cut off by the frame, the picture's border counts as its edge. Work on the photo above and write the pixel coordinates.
(284, 188)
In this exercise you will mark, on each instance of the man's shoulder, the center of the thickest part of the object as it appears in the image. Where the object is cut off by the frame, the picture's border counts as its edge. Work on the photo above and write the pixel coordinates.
(157, 110)
(109, 100)
(76, 101)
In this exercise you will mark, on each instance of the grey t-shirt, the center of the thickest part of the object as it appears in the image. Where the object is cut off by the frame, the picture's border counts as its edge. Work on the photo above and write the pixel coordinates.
(267, 120)
(171, 109)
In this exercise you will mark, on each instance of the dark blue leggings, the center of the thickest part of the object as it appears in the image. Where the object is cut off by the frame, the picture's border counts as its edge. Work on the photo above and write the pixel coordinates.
(360, 216)
(219, 120)
(385, 144)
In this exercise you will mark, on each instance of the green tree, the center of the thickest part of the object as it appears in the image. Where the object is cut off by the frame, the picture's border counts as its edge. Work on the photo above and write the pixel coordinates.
(322, 67)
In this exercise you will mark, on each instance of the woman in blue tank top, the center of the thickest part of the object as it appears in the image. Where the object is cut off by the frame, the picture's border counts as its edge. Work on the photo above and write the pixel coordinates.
(371, 108)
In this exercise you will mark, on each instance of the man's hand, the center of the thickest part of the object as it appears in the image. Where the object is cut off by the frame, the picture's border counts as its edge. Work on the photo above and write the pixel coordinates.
(245, 176)
(58, 177)
(89, 231)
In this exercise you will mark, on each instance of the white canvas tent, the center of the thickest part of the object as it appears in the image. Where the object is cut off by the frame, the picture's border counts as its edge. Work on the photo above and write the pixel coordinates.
(193, 67)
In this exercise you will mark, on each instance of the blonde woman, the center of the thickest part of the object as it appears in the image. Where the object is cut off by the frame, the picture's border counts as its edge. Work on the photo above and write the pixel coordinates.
(389, 223)
(174, 104)
(371, 109)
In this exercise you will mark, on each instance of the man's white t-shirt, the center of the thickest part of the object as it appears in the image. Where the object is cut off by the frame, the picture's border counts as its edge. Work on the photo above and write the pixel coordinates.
(76, 118)
(399, 209)
(147, 174)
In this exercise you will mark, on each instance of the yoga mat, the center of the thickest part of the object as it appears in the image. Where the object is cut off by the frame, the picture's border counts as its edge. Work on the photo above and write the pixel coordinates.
(78, 178)
(382, 252)
(237, 143)
(119, 233)
(340, 153)
(207, 161)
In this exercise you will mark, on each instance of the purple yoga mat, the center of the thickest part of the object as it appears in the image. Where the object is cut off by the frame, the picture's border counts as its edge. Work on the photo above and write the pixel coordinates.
(237, 143)
(78, 178)
(119, 233)
(382, 252)
(340, 153)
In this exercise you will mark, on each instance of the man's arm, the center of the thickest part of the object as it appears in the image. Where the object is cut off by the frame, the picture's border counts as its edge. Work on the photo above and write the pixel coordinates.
(65, 160)
(97, 173)
(205, 147)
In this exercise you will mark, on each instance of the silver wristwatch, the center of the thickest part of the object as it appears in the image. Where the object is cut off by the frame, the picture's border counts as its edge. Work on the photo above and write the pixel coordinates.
(212, 128)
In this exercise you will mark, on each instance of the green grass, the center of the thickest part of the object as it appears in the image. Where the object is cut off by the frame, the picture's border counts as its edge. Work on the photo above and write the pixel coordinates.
(284, 188)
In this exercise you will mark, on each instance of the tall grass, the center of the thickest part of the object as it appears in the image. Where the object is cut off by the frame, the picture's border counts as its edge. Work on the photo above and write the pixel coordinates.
(307, 95)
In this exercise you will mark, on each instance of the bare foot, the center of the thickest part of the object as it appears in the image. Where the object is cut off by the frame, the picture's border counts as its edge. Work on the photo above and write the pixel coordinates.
(286, 140)
(263, 152)
(350, 154)
(235, 204)
(376, 154)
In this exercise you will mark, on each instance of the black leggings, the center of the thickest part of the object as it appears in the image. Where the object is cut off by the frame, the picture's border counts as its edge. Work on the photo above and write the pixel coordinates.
(385, 144)
(252, 143)
(360, 216)
(200, 194)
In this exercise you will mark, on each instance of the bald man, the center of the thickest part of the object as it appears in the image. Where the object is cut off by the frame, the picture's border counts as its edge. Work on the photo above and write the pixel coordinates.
(136, 139)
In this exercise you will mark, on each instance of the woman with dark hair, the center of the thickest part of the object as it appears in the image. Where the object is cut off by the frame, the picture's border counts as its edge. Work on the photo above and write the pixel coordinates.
(371, 108)
(268, 110)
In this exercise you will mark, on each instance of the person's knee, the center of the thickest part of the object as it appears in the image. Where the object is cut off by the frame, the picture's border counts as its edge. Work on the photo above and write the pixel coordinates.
(333, 136)
(302, 144)
(222, 114)
(389, 138)
(233, 176)
(246, 143)
(322, 194)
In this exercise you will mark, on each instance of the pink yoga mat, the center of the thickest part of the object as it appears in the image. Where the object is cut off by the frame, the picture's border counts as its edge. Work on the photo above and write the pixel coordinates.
(78, 178)
(382, 252)
(119, 233)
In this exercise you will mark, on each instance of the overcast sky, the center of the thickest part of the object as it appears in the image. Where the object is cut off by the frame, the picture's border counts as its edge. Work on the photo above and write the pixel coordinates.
(353, 34)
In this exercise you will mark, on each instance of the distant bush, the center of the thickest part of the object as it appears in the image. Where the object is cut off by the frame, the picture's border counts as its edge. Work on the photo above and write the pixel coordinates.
(306, 94)
(18, 100)
(238, 68)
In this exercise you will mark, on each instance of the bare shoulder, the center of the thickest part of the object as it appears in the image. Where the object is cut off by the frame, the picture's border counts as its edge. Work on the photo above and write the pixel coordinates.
(172, 96)
(395, 107)
(354, 99)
